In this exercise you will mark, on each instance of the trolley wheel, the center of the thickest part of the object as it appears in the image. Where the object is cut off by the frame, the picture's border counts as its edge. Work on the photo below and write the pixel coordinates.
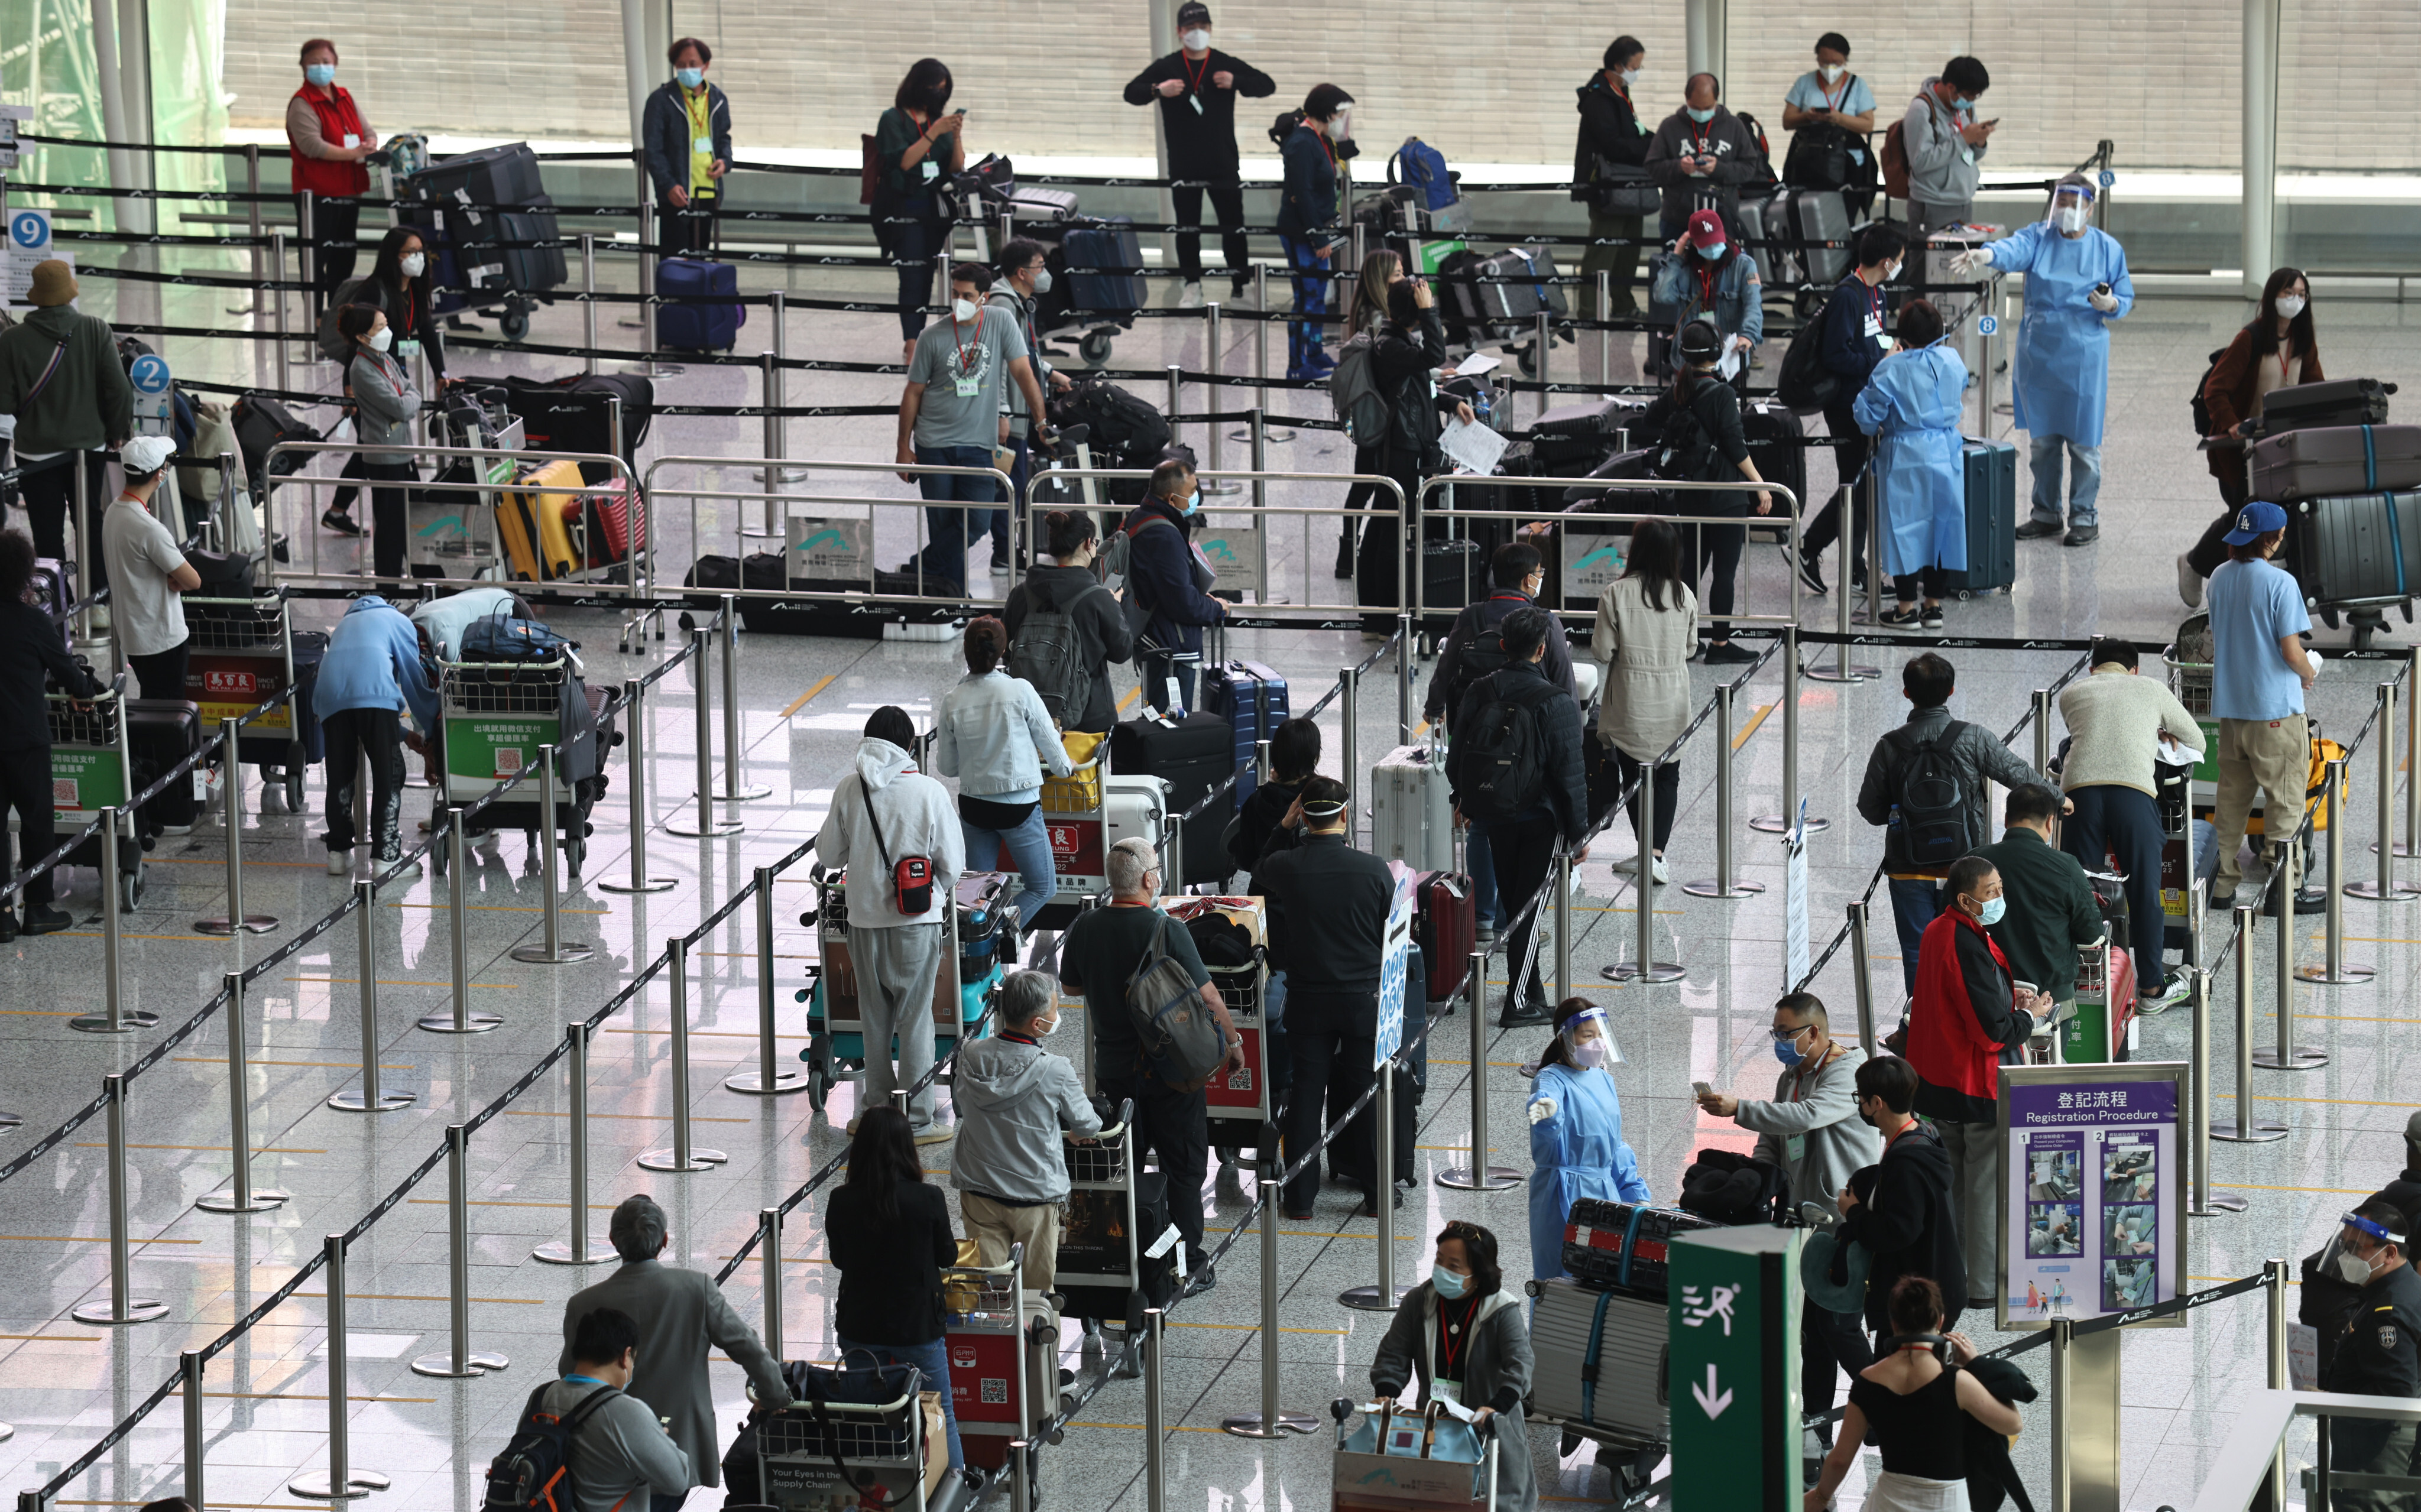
(573, 851)
(514, 322)
(437, 859)
(1528, 358)
(293, 789)
(1094, 346)
(819, 1088)
(129, 887)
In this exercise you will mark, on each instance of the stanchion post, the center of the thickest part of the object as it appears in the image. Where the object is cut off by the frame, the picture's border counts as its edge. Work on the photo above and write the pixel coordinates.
(1406, 703)
(239, 1196)
(459, 1018)
(707, 826)
(1542, 337)
(681, 1156)
(2384, 890)
(1782, 823)
(1480, 1176)
(1605, 338)
(1382, 1297)
(1176, 402)
(733, 752)
(2202, 1202)
(581, 1247)
(1863, 981)
(1349, 709)
(2411, 846)
(114, 1017)
(252, 227)
(1272, 1420)
(2042, 732)
(1646, 969)
(635, 777)
(189, 1375)
(1261, 324)
(306, 240)
(2273, 1294)
(232, 811)
(770, 477)
(2062, 1410)
(1561, 880)
(123, 1308)
(277, 308)
(1724, 884)
(769, 1079)
(342, 1482)
(2335, 970)
(2247, 1130)
(1155, 1416)
(371, 1097)
(2286, 1055)
(1843, 669)
(647, 278)
(1214, 367)
(589, 304)
(553, 949)
(461, 1362)
(769, 1256)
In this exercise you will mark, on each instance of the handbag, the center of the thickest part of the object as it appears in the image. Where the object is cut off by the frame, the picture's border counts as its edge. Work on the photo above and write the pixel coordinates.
(1437, 1436)
(1621, 188)
(911, 877)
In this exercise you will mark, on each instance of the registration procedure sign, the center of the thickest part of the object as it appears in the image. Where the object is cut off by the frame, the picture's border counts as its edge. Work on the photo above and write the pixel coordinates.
(2092, 1181)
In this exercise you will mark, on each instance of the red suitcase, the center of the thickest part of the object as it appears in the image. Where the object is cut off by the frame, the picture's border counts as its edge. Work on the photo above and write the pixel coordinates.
(613, 522)
(1444, 926)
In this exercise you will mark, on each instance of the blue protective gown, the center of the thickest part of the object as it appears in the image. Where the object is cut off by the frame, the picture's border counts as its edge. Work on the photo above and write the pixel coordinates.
(2062, 386)
(1576, 1150)
(1913, 403)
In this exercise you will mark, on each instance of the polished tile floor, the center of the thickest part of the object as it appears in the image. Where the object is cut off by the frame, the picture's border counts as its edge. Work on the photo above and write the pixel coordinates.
(264, 1412)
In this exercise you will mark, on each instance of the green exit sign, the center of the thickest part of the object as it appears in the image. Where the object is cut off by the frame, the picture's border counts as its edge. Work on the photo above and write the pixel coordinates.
(1734, 1327)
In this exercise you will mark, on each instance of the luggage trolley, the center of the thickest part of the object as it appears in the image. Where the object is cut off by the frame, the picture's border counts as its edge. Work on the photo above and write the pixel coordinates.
(994, 1331)
(242, 652)
(978, 939)
(1090, 810)
(1099, 1270)
(90, 771)
(803, 1451)
(1239, 1111)
(495, 715)
(1389, 1463)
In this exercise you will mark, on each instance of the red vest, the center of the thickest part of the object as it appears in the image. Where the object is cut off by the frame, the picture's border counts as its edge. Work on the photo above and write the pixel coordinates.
(323, 176)
(1946, 1046)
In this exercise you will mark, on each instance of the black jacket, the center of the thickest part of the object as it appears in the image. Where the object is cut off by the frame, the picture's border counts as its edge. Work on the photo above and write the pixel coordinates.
(1716, 406)
(663, 132)
(1610, 129)
(1487, 614)
(31, 650)
(1847, 349)
(1257, 836)
(1160, 568)
(1100, 622)
(1328, 914)
(1308, 199)
(2379, 1354)
(1903, 1219)
(1559, 736)
(1401, 367)
(890, 1268)
(2052, 911)
(1201, 144)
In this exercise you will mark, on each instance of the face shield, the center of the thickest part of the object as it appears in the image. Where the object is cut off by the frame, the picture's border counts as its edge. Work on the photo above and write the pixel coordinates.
(2071, 207)
(1589, 1038)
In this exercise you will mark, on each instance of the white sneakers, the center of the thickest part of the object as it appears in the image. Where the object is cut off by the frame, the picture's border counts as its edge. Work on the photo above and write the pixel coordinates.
(1188, 294)
(341, 862)
(2188, 583)
(1629, 867)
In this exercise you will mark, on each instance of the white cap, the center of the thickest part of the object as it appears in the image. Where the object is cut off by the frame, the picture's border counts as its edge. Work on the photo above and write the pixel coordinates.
(146, 455)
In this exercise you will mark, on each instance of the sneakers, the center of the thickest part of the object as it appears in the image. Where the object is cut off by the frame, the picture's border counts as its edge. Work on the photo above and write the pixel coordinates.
(936, 1134)
(1188, 294)
(44, 920)
(341, 862)
(392, 867)
(1908, 616)
(1525, 1016)
(343, 524)
(1932, 615)
(1484, 932)
(1629, 867)
(2221, 902)
(1201, 1281)
(1811, 575)
(2189, 582)
(999, 561)
(2037, 529)
(2173, 989)
(1240, 297)
(2081, 536)
(1729, 653)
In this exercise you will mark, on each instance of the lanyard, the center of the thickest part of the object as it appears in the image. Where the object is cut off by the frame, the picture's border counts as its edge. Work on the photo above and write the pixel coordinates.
(1451, 1335)
(1021, 1039)
(1703, 141)
(586, 1380)
(1889, 1140)
(965, 347)
(1833, 98)
(1194, 81)
(1326, 147)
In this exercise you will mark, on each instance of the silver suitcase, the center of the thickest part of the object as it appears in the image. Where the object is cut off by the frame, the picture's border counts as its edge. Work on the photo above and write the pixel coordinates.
(1411, 815)
(1622, 1336)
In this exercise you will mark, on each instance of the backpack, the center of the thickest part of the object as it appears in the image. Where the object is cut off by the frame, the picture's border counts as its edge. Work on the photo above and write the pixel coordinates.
(1285, 126)
(333, 344)
(1895, 160)
(533, 1473)
(2202, 387)
(1805, 383)
(1181, 1039)
(1482, 656)
(1048, 653)
(1504, 762)
(1761, 171)
(1683, 451)
(1931, 819)
(1424, 167)
(1355, 390)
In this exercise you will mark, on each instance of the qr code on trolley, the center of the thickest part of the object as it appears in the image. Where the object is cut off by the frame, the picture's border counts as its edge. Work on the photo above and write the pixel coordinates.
(508, 760)
(996, 1391)
(1240, 1080)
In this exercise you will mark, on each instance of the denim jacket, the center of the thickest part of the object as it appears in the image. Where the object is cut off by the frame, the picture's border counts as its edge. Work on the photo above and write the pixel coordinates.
(995, 737)
(1738, 308)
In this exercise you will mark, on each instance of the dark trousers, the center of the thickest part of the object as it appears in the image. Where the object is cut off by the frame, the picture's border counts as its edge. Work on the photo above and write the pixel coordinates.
(377, 734)
(1228, 205)
(1717, 547)
(48, 495)
(1622, 262)
(1916, 901)
(1668, 794)
(1932, 581)
(162, 674)
(944, 560)
(1852, 447)
(26, 787)
(2123, 822)
(1310, 275)
(1522, 851)
(1331, 1040)
(915, 244)
(387, 526)
(686, 233)
(341, 502)
(1176, 1128)
(1830, 1342)
(333, 226)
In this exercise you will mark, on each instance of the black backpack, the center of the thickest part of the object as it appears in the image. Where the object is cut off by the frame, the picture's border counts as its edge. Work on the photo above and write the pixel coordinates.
(1285, 126)
(1684, 451)
(2200, 404)
(1805, 383)
(534, 1473)
(1932, 817)
(1482, 656)
(1504, 753)
(1049, 653)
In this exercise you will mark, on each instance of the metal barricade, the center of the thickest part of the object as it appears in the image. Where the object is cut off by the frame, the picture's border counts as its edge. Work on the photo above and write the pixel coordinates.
(240, 652)
(92, 770)
(802, 1452)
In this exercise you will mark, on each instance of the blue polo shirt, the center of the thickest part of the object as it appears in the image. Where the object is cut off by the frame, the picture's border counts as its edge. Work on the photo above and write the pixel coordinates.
(2254, 606)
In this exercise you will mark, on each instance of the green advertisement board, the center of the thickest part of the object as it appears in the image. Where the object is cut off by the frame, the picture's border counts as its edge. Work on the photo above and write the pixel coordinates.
(487, 748)
(87, 779)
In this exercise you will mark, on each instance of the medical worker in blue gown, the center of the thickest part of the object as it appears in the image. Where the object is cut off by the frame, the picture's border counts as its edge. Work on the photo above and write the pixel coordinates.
(1576, 1132)
(2077, 285)
(1911, 405)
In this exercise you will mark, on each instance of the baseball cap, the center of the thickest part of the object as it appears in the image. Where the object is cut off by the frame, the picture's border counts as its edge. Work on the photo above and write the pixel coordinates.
(146, 455)
(2255, 521)
(1706, 229)
(1193, 13)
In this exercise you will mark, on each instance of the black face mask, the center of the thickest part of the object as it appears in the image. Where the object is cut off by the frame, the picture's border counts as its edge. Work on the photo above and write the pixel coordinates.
(1400, 305)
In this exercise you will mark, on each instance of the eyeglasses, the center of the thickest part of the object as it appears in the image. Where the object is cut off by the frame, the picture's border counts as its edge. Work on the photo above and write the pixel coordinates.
(1458, 1228)
(1792, 1034)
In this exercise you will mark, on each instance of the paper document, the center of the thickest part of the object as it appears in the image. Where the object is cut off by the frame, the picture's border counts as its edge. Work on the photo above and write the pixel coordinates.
(1728, 368)
(1477, 363)
(1474, 445)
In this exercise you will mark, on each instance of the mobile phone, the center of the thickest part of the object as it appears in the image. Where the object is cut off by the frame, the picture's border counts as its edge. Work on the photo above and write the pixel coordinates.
(1702, 1089)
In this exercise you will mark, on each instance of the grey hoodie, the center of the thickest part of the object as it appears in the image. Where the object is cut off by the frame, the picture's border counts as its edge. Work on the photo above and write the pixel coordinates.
(917, 821)
(1014, 1101)
(1821, 1113)
(1942, 168)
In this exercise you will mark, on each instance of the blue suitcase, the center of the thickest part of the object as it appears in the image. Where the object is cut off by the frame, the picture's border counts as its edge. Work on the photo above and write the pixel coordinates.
(1991, 520)
(1112, 244)
(698, 327)
(1252, 698)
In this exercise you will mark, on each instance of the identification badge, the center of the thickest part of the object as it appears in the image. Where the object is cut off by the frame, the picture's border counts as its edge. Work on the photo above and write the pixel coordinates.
(353, 139)
(970, 387)
(1446, 1391)
(1966, 154)
(407, 349)
(929, 170)
(1795, 1148)
(1196, 100)
(702, 145)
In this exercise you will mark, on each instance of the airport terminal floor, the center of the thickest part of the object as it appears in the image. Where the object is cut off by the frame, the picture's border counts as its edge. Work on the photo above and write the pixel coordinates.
(802, 705)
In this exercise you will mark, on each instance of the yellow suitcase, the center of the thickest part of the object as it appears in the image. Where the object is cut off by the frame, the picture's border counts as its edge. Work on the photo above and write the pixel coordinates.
(530, 522)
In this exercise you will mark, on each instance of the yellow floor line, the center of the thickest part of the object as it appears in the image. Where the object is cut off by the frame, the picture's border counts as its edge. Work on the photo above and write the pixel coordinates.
(71, 1338)
(1132, 693)
(800, 702)
(355, 981)
(1750, 728)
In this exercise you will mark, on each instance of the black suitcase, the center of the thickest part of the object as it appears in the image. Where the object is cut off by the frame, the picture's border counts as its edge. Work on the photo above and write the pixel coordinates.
(2365, 550)
(1112, 245)
(506, 175)
(1194, 754)
(161, 732)
(1774, 439)
(2340, 401)
(260, 423)
(1991, 520)
(531, 269)
(1624, 1244)
(575, 415)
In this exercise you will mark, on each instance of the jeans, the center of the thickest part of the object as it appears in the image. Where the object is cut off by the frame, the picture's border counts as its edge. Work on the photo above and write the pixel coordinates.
(26, 787)
(1228, 205)
(1331, 1043)
(352, 734)
(944, 560)
(1304, 338)
(2084, 484)
(1027, 847)
(2111, 820)
(162, 674)
(914, 244)
(1522, 851)
(1916, 901)
(1668, 794)
(48, 495)
(933, 1361)
(389, 527)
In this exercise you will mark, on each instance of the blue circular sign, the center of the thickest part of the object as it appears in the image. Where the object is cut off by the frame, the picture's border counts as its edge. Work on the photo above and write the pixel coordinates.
(150, 374)
(1987, 324)
(29, 228)
(2108, 177)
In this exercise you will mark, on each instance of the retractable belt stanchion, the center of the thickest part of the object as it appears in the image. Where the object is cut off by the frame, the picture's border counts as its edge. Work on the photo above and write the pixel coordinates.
(2286, 1055)
(1215, 364)
(114, 1017)
(769, 1257)
(2384, 890)
(239, 1196)
(189, 1388)
(1155, 1415)
(2247, 1130)
(589, 306)
(277, 309)
(707, 826)
(1349, 711)
(2335, 970)
(733, 752)
(122, 1307)
(2273, 1293)
(2042, 732)
(1605, 339)
(635, 777)
(1646, 969)
(768, 1079)
(1560, 879)
(232, 811)
(769, 384)
(553, 949)
(1863, 980)
(581, 1247)
(1176, 402)
(460, 1361)
(1542, 337)
(1781, 823)
(342, 1482)
(1405, 700)
(371, 1097)
(2411, 846)
(2200, 1201)
(2063, 1413)
(458, 1020)
(1272, 1420)
(252, 227)
(681, 1156)
(1724, 884)
(1479, 1176)
(1382, 1297)
(1261, 342)
(306, 241)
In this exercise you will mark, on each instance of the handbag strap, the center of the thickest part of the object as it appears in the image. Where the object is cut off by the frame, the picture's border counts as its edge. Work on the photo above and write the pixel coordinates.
(58, 355)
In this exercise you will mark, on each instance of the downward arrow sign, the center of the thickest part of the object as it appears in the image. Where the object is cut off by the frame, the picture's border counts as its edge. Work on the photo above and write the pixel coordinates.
(1711, 1399)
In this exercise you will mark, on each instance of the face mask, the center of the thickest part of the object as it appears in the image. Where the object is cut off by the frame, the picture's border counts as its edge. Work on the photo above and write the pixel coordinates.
(1630, 77)
(2072, 218)
(2353, 1267)
(1787, 1051)
(2290, 305)
(1962, 103)
(1713, 252)
(1193, 500)
(1832, 72)
(1044, 1030)
(1042, 280)
(1701, 116)
(382, 338)
(1450, 1286)
(962, 310)
(412, 264)
(1339, 127)
(1891, 272)
(1588, 1054)
(690, 78)
(1196, 40)
(1993, 912)
(321, 74)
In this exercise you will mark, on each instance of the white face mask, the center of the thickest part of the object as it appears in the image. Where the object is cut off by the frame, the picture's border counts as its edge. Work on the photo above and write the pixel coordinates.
(2072, 218)
(413, 264)
(2290, 305)
(382, 338)
(962, 310)
(1196, 40)
(1832, 72)
(1042, 280)
(1630, 77)
(2354, 1268)
(1044, 1028)
(1339, 127)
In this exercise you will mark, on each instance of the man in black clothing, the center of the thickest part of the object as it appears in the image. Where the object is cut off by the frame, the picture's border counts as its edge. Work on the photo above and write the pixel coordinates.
(1073, 588)
(1611, 139)
(1525, 833)
(1854, 341)
(33, 653)
(1328, 909)
(1899, 1208)
(2379, 1354)
(1197, 87)
(1103, 947)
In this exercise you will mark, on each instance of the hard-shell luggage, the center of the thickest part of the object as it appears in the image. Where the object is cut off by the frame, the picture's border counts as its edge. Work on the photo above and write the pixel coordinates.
(2365, 550)
(1599, 1359)
(52, 587)
(575, 415)
(260, 423)
(1252, 698)
(506, 175)
(1624, 1244)
(1411, 816)
(1032, 203)
(1457, 297)
(1991, 520)
(161, 732)
(1444, 920)
(530, 524)
(1105, 268)
(309, 648)
(1194, 756)
(613, 522)
(1773, 434)
(1766, 223)
(2340, 401)
(1821, 215)
(2321, 461)
(1512, 287)
(700, 327)
(510, 251)
(1582, 432)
